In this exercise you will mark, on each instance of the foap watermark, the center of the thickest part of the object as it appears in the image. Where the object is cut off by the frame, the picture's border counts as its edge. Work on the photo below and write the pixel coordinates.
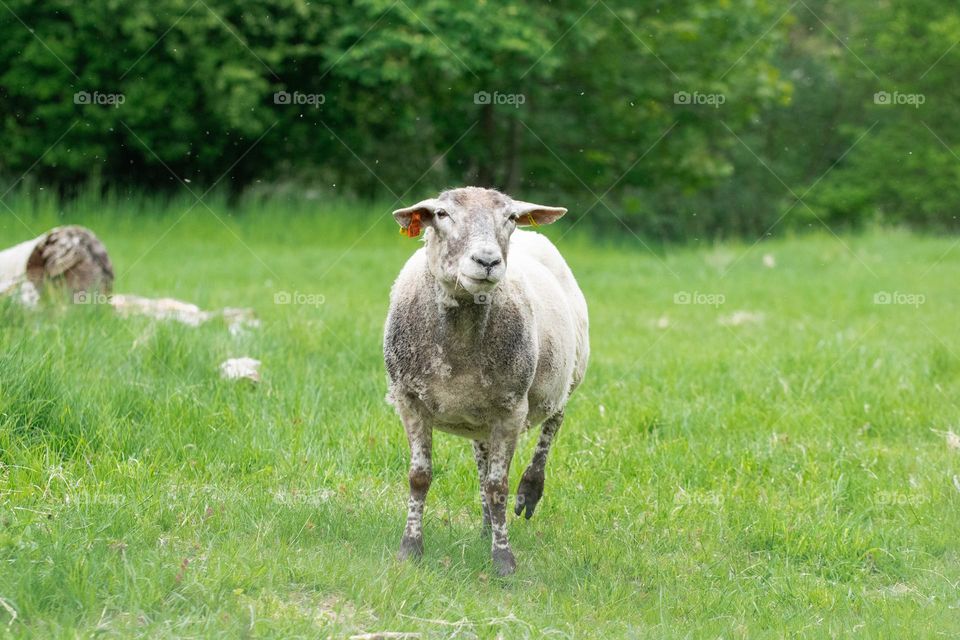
(85, 498)
(298, 98)
(697, 498)
(91, 297)
(900, 499)
(98, 98)
(886, 98)
(496, 98)
(899, 297)
(482, 298)
(299, 298)
(297, 497)
(699, 99)
(697, 297)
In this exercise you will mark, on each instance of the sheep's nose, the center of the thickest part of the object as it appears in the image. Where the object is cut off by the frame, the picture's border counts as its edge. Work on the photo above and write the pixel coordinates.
(486, 261)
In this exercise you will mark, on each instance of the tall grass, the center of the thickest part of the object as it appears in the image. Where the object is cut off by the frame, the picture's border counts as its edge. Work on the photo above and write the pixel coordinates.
(783, 471)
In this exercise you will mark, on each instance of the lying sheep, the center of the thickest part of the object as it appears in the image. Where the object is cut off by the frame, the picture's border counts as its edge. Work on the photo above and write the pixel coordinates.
(486, 336)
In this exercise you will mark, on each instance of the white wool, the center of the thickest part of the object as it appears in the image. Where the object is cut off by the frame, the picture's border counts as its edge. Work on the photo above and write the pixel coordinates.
(554, 306)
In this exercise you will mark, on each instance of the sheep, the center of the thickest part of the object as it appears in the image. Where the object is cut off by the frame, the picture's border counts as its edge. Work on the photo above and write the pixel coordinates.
(483, 347)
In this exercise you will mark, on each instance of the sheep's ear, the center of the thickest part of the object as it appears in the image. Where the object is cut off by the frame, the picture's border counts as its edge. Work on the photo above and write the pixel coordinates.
(410, 218)
(529, 213)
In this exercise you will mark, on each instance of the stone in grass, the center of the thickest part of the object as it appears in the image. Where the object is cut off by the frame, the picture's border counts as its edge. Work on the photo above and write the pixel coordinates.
(240, 369)
(953, 439)
(238, 320)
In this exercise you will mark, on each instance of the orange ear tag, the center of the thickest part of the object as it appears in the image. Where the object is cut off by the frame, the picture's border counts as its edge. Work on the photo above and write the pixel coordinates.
(412, 230)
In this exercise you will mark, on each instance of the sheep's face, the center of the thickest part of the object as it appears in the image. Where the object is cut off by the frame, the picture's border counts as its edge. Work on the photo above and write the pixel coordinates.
(468, 236)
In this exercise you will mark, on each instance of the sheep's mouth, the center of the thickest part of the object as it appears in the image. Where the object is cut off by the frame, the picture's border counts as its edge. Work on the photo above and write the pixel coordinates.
(486, 279)
(471, 283)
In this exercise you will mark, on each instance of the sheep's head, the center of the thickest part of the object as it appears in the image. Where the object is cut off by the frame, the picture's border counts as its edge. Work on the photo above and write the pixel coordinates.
(468, 234)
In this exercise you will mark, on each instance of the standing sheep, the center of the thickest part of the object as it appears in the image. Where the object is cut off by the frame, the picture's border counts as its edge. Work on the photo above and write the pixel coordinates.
(482, 349)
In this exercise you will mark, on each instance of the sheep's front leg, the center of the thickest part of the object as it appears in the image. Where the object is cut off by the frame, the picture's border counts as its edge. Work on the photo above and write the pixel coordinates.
(420, 437)
(481, 453)
(530, 489)
(500, 453)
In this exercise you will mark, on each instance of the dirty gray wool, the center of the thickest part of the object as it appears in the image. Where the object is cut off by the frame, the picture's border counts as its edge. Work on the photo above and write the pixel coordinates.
(486, 336)
(73, 256)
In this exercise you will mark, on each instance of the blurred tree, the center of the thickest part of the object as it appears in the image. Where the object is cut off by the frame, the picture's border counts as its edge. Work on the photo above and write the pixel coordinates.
(899, 97)
(689, 118)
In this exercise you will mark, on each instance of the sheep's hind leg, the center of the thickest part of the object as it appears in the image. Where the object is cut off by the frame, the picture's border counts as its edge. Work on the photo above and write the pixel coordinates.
(420, 438)
(530, 489)
(496, 487)
(481, 453)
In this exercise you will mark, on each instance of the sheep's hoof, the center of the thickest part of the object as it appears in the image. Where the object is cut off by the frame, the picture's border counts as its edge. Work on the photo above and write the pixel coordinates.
(504, 562)
(410, 548)
(529, 492)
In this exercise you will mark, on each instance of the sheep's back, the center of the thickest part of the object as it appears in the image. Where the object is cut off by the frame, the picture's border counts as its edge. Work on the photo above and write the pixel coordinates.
(529, 245)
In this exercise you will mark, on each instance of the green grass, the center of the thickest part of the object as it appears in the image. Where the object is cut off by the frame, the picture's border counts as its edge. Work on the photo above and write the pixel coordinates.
(787, 476)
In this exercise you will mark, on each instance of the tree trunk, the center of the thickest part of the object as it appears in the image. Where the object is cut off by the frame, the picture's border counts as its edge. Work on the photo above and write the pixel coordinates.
(511, 178)
(485, 173)
(71, 257)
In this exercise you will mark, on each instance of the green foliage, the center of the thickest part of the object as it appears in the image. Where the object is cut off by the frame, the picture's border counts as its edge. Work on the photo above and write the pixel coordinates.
(590, 90)
(905, 167)
(387, 97)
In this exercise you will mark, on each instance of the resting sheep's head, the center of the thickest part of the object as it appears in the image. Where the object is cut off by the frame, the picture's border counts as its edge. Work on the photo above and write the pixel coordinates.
(468, 234)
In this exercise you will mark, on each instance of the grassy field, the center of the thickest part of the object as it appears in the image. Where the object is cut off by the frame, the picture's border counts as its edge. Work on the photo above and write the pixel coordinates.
(771, 459)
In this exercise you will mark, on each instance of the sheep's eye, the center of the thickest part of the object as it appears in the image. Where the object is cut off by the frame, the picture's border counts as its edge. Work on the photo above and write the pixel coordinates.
(513, 217)
(440, 213)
